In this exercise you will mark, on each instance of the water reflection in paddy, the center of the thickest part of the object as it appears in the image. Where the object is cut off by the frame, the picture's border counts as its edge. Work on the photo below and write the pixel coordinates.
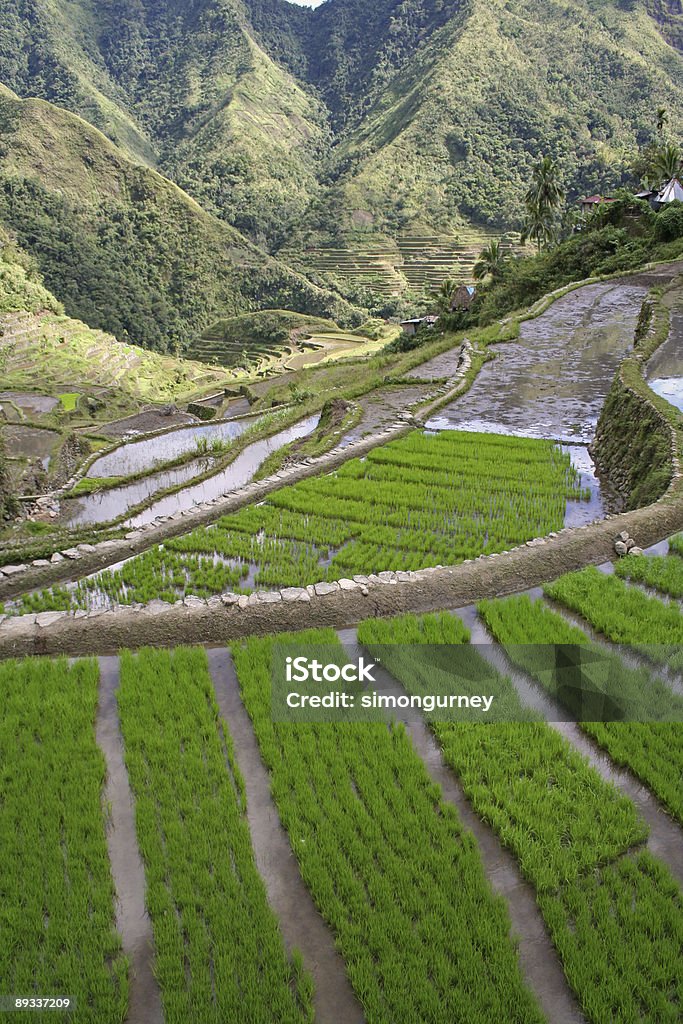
(553, 381)
(138, 456)
(665, 369)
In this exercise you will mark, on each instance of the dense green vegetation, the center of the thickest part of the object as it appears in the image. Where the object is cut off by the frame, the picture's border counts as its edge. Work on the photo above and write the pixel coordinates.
(57, 906)
(124, 249)
(219, 951)
(388, 864)
(358, 120)
(571, 832)
(646, 743)
(625, 615)
(419, 501)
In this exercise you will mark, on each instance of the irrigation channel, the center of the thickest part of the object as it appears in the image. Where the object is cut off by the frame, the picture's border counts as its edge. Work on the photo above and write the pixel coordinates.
(105, 506)
(665, 369)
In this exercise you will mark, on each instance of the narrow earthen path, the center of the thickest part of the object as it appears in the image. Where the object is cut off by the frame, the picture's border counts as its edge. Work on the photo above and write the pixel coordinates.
(538, 957)
(666, 835)
(302, 926)
(132, 920)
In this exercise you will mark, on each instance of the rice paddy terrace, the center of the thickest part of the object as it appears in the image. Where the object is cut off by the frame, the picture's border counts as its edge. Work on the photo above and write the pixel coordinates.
(210, 862)
(418, 262)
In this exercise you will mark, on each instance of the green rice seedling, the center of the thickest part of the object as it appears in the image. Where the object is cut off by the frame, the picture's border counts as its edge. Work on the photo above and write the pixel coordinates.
(416, 502)
(219, 951)
(388, 864)
(625, 615)
(650, 748)
(616, 917)
(661, 573)
(57, 905)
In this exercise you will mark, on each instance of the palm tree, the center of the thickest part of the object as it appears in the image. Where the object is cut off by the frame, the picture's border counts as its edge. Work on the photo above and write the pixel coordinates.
(668, 162)
(443, 297)
(490, 263)
(540, 226)
(545, 191)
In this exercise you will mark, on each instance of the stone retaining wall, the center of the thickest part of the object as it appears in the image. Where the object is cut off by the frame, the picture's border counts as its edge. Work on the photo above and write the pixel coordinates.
(345, 603)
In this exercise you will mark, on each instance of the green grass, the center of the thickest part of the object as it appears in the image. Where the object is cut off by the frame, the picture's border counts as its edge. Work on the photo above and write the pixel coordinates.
(219, 951)
(388, 864)
(652, 749)
(69, 401)
(57, 905)
(607, 909)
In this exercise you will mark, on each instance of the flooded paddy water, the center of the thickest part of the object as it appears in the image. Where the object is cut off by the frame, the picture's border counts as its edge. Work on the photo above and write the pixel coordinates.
(665, 369)
(104, 506)
(138, 456)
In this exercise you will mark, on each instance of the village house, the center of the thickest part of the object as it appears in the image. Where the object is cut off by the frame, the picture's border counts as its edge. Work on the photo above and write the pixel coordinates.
(411, 327)
(591, 203)
(463, 298)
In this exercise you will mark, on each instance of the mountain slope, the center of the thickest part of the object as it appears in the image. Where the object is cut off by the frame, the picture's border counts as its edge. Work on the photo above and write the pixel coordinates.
(122, 247)
(358, 121)
(180, 86)
(455, 133)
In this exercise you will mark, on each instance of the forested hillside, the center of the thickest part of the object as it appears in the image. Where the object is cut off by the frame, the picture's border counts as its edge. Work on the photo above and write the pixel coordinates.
(355, 125)
(123, 248)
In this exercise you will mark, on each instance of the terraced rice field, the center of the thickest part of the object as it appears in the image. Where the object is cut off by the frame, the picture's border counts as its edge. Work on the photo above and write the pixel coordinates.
(607, 904)
(57, 907)
(416, 502)
(402, 888)
(419, 262)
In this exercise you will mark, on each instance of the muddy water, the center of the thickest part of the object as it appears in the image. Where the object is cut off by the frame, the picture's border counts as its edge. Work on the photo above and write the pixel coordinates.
(588, 511)
(104, 506)
(382, 408)
(539, 962)
(29, 442)
(138, 456)
(236, 475)
(665, 369)
(31, 404)
(132, 922)
(302, 926)
(553, 381)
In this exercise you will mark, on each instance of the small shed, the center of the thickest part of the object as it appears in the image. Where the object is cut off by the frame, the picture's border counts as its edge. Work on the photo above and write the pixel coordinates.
(411, 327)
(591, 203)
(463, 298)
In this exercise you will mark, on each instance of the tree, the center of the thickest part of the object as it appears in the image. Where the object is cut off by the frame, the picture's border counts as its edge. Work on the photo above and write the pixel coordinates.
(540, 226)
(668, 162)
(545, 192)
(443, 297)
(491, 261)
(543, 200)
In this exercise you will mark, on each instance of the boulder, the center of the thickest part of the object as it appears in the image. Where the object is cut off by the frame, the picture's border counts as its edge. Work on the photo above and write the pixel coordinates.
(12, 570)
(620, 548)
(72, 553)
(44, 619)
(623, 536)
(290, 594)
(636, 551)
(229, 598)
(57, 558)
(349, 585)
(322, 589)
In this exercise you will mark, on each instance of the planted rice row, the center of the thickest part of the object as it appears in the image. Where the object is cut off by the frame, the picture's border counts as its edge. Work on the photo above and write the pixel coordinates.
(219, 951)
(388, 864)
(57, 929)
(615, 915)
